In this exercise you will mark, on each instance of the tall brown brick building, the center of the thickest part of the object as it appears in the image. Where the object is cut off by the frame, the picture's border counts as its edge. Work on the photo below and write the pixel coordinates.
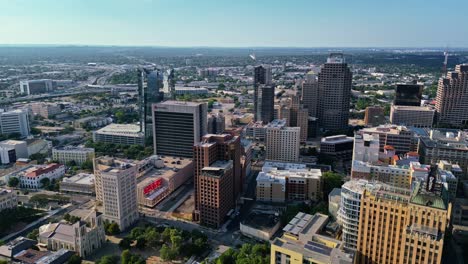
(211, 149)
(452, 98)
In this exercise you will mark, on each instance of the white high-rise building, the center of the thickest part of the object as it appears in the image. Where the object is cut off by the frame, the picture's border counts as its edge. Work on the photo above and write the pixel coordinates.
(348, 214)
(16, 121)
(366, 148)
(282, 143)
(116, 188)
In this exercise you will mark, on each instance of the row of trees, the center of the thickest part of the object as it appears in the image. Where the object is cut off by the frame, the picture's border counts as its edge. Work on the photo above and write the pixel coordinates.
(125, 258)
(128, 151)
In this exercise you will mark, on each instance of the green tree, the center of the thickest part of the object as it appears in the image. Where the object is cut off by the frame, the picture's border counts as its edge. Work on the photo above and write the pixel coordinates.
(152, 237)
(33, 234)
(112, 229)
(166, 253)
(108, 260)
(87, 165)
(13, 182)
(125, 243)
(331, 180)
(75, 259)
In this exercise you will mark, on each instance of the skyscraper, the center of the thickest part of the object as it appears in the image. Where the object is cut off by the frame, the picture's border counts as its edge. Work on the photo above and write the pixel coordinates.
(212, 150)
(178, 126)
(116, 189)
(266, 103)
(310, 94)
(262, 76)
(408, 94)
(334, 92)
(452, 98)
(216, 124)
(150, 85)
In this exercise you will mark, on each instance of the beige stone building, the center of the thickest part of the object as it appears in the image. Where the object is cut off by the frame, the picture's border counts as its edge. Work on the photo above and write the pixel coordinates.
(452, 95)
(70, 153)
(402, 226)
(417, 116)
(116, 189)
(281, 182)
(84, 236)
(282, 143)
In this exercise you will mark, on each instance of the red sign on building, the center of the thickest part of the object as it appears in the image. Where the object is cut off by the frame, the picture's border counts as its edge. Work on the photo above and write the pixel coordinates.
(152, 186)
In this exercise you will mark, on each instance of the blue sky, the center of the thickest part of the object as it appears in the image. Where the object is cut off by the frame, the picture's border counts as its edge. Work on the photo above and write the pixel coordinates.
(236, 23)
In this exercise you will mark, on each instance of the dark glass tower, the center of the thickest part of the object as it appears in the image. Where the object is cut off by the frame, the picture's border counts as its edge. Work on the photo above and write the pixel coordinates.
(150, 84)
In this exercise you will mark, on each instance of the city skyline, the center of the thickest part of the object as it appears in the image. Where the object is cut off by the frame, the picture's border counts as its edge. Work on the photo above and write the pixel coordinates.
(178, 24)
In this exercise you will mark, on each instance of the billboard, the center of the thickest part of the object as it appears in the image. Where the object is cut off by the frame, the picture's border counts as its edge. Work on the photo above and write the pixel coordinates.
(152, 186)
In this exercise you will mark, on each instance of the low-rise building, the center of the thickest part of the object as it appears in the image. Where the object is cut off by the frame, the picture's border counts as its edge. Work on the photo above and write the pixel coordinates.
(46, 110)
(69, 153)
(339, 147)
(15, 246)
(8, 199)
(32, 256)
(30, 177)
(92, 122)
(20, 146)
(260, 225)
(80, 183)
(417, 116)
(166, 175)
(83, 237)
(304, 241)
(125, 134)
(400, 137)
(281, 182)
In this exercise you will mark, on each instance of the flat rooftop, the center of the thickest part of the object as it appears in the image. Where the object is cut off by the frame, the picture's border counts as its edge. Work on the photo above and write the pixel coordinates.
(261, 221)
(121, 130)
(180, 103)
(81, 178)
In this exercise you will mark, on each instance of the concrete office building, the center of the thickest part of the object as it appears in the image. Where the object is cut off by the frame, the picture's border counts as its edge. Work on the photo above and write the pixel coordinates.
(46, 110)
(366, 148)
(70, 153)
(408, 95)
(452, 95)
(211, 149)
(262, 76)
(281, 182)
(7, 155)
(334, 83)
(417, 116)
(282, 143)
(216, 199)
(125, 134)
(15, 121)
(310, 93)
(150, 91)
(116, 189)
(177, 127)
(400, 137)
(36, 86)
(445, 144)
(401, 225)
(339, 147)
(216, 123)
(374, 116)
(8, 199)
(20, 146)
(304, 241)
